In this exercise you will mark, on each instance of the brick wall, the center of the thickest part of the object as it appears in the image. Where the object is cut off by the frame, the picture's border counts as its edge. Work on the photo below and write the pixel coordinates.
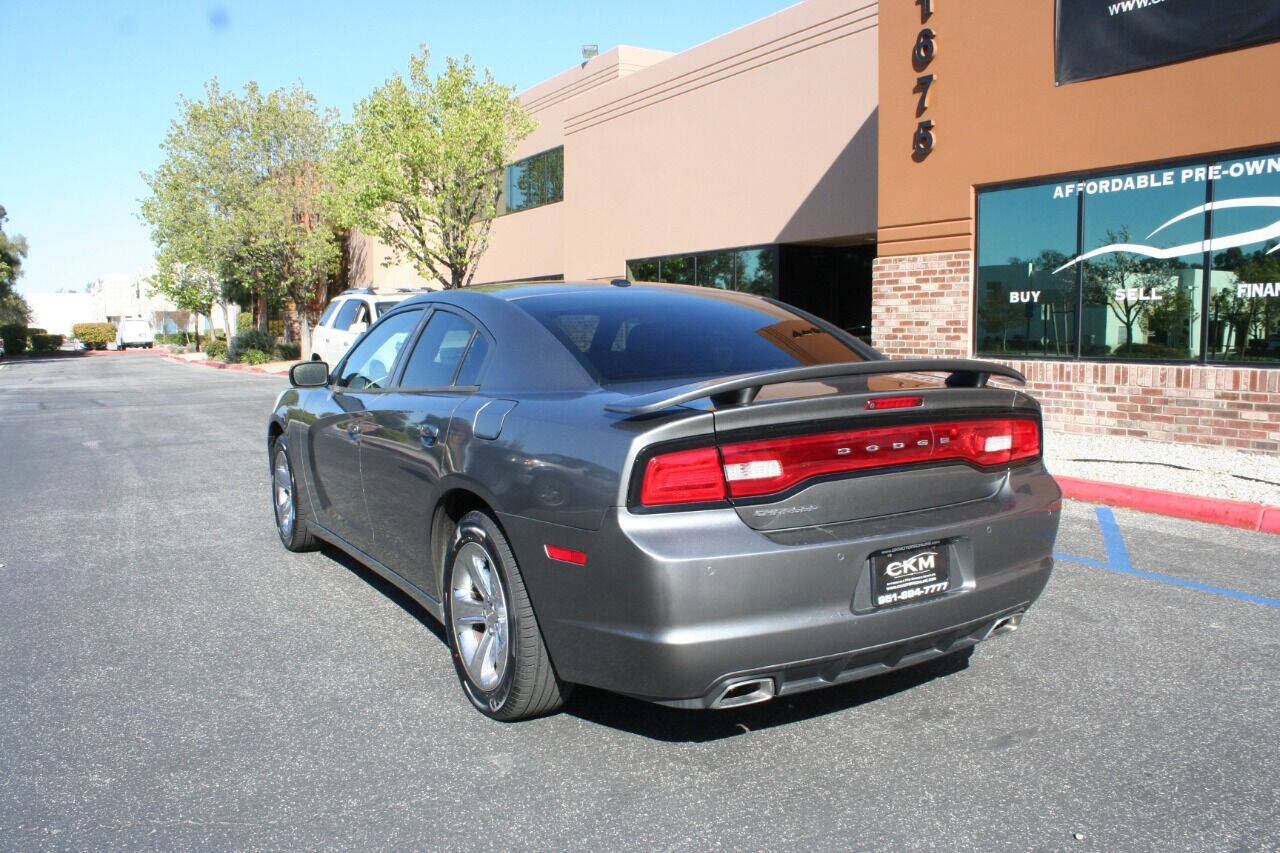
(920, 305)
(1219, 406)
(921, 308)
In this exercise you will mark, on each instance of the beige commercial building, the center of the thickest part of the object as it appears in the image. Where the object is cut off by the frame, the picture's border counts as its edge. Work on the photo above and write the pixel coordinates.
(944, 180)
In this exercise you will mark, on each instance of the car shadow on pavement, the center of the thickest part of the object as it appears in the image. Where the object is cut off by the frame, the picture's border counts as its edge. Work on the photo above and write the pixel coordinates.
(387, 588)
(673, 725)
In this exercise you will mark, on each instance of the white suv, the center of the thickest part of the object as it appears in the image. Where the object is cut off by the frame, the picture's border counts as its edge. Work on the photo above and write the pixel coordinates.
(346, 318)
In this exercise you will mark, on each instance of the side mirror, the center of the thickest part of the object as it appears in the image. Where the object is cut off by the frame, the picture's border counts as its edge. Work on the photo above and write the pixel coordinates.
(357, 328)
(309, 374)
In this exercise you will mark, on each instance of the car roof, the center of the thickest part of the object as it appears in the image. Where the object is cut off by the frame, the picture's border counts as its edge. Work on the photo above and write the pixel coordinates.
(515, 291)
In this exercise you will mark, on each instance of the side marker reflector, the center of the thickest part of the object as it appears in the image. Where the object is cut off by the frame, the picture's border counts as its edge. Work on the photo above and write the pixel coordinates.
(566, 555)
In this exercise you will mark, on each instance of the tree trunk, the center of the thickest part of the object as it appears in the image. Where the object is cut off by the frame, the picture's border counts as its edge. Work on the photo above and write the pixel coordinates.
(262, 311)
(304, 335)
(198, 316)
(226, 321)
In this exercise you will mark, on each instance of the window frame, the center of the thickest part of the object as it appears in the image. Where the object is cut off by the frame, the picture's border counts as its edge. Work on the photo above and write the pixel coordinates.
(393, 373)
(1206, 260)
(735, 251)
(330, 311)
(503, 208)
(347, 300)
(477, 327)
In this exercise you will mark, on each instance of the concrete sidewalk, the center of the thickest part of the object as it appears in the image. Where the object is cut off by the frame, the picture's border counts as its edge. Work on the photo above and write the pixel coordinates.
(1212, 484)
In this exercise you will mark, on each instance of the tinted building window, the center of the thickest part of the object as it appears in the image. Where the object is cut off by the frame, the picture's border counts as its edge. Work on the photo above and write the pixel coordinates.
(1023, 306)
(752, 270)
(534, 181)
(1244, 280)
(1136, 304)
(1171, 262)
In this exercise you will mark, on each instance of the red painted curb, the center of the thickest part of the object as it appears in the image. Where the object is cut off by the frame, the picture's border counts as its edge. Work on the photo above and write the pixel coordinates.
(222, 365)
(1243, 514)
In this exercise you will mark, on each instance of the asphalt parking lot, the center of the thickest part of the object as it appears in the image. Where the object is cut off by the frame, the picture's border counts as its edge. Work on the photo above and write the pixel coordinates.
(170, 677)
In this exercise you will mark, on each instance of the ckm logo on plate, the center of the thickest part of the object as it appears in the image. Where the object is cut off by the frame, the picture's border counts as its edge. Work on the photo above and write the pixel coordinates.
(925, 561)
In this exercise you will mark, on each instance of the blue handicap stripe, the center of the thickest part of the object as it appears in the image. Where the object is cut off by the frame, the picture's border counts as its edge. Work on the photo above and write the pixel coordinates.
(1118, 561)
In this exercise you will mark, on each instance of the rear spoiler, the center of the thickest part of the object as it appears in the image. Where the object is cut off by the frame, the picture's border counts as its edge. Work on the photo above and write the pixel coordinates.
(742, 390)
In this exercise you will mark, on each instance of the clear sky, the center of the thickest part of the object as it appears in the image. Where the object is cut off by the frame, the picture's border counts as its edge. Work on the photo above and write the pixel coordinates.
(87, 89)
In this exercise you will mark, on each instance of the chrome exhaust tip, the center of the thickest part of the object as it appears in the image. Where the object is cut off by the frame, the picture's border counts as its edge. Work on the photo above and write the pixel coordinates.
(1005, 625)
(748, 691)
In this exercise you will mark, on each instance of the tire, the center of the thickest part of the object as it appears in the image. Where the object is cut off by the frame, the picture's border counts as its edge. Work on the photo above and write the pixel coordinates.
(486, 605)
(291, 522)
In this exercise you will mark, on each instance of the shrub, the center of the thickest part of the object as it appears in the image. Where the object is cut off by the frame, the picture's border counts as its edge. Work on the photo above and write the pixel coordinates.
(252, 339)
(1136, 350)
(254, 356)
(46, 343)
(94, 335)
(244, 321)
(33, 332)
(215, 349)
(288, 352)
(15, 339)
(173, 338)
(276, 328)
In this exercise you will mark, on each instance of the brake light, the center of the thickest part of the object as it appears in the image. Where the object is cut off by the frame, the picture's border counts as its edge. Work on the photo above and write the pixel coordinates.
(685, 476)
(753, 468)
(894, 403)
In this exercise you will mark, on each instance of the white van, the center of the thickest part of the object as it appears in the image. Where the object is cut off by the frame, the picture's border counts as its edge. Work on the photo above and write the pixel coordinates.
(135, 332)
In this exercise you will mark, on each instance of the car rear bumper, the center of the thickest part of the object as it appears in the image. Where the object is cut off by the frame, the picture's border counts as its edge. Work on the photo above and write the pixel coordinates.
(672, 607)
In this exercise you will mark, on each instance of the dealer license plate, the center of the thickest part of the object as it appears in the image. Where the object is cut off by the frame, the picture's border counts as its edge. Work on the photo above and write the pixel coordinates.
(909, 573)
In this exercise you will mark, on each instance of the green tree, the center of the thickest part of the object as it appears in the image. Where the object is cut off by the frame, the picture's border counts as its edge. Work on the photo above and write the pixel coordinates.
(1107, 282)
(195, 193)
(14, 310)
(12, 252)
(1168, 321)
(238, 197)
(421, 165)
(189, 287)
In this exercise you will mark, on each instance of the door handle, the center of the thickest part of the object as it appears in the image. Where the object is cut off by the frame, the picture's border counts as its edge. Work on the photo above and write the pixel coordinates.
(425, 433)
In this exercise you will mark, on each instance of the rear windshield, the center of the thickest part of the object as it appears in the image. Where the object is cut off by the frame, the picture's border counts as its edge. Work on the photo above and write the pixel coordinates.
(629, 335)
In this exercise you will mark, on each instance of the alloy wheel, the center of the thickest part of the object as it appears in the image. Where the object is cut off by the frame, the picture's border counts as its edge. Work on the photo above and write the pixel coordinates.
(282, 489)
(478, 610)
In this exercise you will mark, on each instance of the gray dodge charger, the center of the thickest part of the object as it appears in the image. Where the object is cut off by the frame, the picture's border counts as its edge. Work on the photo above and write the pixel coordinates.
(700, 498)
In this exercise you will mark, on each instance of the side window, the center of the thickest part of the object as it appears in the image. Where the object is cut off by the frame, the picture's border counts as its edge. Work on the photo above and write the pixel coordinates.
(369, 364)
(470, 372)
(346, 314)
(435, 358)
(328, 312)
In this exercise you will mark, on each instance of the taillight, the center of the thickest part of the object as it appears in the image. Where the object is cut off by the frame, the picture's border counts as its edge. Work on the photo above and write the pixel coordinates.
(753, 468)
(685, 476)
